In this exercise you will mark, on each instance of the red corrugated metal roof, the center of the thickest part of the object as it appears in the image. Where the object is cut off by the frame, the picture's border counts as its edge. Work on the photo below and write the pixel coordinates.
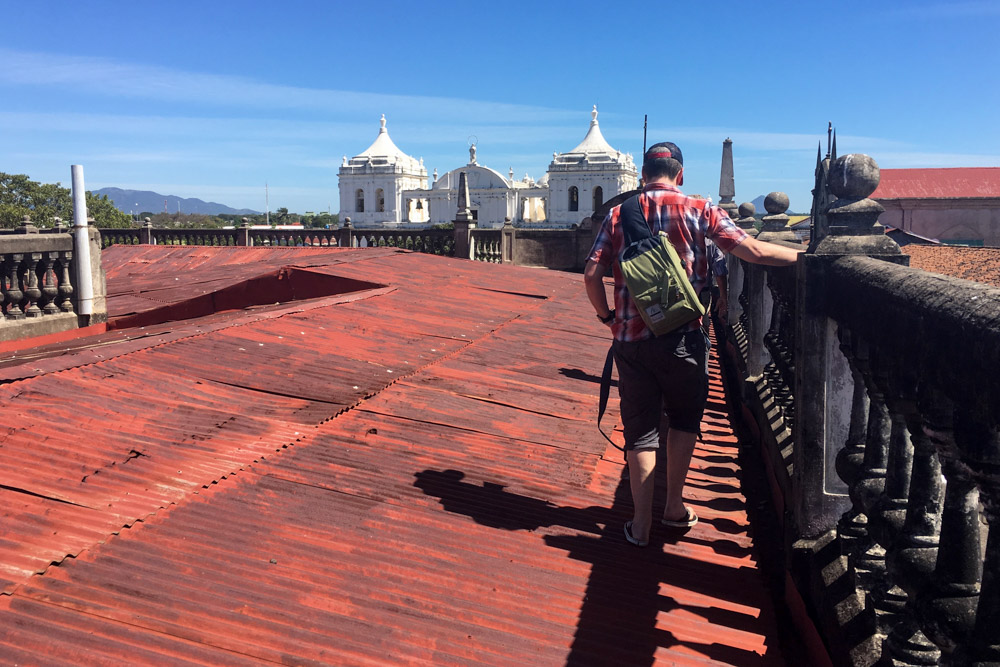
(409, 477)
(959, 182)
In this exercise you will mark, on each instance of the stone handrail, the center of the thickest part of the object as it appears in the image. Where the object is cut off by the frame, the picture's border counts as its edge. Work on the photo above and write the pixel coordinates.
(431, 241)
(37, 290)
(876, 393)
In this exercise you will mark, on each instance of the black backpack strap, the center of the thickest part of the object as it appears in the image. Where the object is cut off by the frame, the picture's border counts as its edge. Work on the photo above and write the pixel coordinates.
(634, 224)
(606, 393)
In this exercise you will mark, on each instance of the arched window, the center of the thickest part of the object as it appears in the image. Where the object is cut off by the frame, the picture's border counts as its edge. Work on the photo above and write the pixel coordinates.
(574, 198)
(380, 201)
(598, 197)
(359, 201)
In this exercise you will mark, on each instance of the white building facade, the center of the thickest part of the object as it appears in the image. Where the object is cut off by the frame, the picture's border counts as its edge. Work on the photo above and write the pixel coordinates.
(385, 187)
(372, 183)
(587, 176)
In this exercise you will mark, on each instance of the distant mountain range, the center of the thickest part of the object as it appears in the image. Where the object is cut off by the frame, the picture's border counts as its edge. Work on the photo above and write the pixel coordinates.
(144, 200)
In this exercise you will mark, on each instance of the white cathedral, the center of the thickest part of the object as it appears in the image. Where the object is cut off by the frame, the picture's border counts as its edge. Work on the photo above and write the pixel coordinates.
(385, 187)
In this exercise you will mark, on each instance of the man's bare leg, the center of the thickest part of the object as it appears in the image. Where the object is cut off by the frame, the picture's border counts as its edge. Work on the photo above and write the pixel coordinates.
(680, 447)
(641, 464)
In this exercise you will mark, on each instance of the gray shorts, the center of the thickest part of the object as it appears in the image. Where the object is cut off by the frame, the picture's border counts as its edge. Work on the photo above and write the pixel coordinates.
(668, 375)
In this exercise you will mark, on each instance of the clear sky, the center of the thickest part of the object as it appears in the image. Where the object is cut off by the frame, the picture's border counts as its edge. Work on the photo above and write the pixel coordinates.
(212, 99)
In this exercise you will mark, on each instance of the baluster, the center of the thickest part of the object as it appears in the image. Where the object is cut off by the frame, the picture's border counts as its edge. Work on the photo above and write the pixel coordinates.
(948, 604)
(852, 525)
(15, 296)
(911, 561)
(50, 288)
(887, 599)
(984, 648)
(869, 563)
(31, 289)
(5, 303)
(65, 283)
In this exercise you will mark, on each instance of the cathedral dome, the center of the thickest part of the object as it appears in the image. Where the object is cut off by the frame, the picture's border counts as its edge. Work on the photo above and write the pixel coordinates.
(384, 153)
(593, 150)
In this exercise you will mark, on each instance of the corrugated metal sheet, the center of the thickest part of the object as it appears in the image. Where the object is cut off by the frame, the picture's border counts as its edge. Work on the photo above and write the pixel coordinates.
(949, 183)
(412, 477)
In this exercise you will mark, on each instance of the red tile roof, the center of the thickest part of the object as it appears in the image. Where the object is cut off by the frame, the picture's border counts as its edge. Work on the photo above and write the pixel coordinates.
(961, 182)
(407, 474)
(979, 264)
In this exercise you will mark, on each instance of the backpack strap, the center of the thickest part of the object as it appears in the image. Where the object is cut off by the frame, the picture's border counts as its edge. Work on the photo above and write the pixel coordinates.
(633, 222)
(606, 393)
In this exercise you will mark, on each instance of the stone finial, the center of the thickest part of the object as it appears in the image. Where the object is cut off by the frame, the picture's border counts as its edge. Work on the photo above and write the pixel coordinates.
(746, 221)
(57, 225)
(775, 225)
(472, 154)
(347, 222)
(776, 203)
(507, 222)
(146, 222)
(26, 226)
(853, 178)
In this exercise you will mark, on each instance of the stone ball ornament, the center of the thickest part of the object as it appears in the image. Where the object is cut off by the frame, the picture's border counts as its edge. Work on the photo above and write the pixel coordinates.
(747, 209)
(776, 203)
(853, 176)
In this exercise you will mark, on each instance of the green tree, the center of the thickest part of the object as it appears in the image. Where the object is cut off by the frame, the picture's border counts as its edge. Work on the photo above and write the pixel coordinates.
(21, 196)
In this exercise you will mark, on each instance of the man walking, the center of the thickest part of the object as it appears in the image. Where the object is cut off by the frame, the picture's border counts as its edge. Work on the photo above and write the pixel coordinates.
(669, 370)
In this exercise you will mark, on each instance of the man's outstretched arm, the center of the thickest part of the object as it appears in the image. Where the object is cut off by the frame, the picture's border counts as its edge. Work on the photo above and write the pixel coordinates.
(760, 252)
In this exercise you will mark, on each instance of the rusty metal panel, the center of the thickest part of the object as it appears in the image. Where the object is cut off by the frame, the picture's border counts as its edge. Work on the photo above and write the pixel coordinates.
(409, 478)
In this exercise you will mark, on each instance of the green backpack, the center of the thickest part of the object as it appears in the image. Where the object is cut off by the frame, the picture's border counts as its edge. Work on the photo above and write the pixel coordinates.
(655, 275)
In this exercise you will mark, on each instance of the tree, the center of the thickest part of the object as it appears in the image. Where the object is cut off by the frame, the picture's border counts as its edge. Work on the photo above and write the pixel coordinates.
(21, 196)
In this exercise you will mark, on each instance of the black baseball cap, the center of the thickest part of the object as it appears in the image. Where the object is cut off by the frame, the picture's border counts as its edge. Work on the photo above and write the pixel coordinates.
(665, 149)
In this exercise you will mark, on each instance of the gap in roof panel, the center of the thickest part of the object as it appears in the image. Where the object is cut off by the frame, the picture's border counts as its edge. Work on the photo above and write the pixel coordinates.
(281, 286)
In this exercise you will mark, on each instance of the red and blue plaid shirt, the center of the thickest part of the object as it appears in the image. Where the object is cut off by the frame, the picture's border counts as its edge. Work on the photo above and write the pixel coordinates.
(687, 222)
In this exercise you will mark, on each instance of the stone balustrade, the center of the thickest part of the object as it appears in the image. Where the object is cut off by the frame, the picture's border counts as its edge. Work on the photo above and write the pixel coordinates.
(875, 391)
(553, 248)
(37, 291)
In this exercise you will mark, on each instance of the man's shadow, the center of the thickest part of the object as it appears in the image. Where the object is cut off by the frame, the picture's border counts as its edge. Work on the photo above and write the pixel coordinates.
(623, 598)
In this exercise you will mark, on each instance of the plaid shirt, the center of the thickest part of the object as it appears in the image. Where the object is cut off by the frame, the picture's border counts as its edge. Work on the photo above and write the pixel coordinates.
(687, 222)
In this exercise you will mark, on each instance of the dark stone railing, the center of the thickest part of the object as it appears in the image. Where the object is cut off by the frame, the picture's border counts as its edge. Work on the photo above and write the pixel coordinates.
(875, 391)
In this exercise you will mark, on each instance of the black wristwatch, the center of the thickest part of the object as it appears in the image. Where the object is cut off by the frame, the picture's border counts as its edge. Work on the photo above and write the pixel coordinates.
(608, 319)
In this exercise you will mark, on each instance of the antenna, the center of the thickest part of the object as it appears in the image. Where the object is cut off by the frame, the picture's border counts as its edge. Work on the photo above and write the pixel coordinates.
(267, 206)
(645, 118)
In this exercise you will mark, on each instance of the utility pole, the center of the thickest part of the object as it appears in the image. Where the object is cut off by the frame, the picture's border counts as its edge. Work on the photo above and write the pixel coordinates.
(267, 206)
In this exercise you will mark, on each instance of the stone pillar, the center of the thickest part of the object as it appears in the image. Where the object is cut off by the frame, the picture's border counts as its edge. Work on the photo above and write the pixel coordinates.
(146, 233)
(727, 183)
(824, 385)
(346, 237)
(99, 303)
(463, 219)
(746, 222)
(243, 233)
(508, 239)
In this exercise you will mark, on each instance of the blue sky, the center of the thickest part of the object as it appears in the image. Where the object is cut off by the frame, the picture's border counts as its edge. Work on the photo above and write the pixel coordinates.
(212, 99)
